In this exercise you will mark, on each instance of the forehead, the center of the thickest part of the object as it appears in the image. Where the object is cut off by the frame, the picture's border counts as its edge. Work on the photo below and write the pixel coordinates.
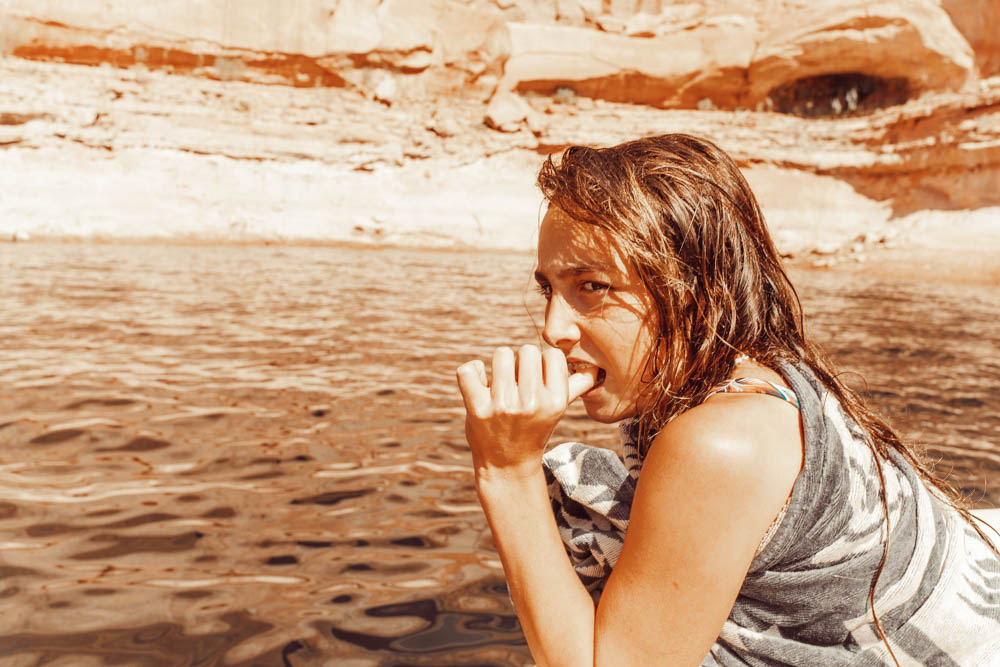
(565, 243)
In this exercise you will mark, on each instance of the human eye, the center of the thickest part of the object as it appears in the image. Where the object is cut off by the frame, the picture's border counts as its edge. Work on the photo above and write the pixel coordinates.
(594, 287)
(544, 289)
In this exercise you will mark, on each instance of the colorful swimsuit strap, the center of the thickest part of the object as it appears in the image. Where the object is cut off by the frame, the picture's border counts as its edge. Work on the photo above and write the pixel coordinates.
(755, 386)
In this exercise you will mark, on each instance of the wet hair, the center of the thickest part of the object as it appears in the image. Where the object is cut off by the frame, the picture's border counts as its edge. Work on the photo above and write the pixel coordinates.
(681, 212)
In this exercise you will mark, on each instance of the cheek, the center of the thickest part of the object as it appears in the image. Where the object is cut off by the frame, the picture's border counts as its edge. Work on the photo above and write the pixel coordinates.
(633, 346)
(648, 353)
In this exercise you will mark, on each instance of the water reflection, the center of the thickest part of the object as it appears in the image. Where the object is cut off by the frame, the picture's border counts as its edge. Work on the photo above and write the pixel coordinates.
(256, 455)
(440, 630)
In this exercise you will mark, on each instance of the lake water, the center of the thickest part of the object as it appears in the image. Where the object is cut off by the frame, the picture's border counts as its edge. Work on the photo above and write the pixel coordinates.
(255, 455)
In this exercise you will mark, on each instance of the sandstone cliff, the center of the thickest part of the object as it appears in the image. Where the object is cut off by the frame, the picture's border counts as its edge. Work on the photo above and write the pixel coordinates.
(423, 121)
(669, 54)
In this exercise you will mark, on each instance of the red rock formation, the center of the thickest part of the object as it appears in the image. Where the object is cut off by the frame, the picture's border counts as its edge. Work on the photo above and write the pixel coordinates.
(978, 21)
(676, 70)
(888, 106)
(736, 59)
(433, 46)
(723, 54)
(915, 43)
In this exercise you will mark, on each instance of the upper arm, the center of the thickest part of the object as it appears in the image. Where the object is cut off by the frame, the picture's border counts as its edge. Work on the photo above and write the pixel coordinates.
(713, 481)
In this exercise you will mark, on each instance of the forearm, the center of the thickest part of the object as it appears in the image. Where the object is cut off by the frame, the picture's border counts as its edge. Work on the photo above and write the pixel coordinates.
(555, 610)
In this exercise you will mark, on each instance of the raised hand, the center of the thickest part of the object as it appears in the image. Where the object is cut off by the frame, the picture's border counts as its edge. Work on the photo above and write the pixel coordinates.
(510, 416)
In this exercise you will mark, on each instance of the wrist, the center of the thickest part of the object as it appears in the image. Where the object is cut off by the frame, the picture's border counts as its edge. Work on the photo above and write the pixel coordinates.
(503, 481)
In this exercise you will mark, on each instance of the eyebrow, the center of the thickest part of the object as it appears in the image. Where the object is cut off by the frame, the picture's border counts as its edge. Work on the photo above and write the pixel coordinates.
(572, 271)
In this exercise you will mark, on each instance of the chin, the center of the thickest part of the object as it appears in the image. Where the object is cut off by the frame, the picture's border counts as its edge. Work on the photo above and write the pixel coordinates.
(603, 419)
(601, 412)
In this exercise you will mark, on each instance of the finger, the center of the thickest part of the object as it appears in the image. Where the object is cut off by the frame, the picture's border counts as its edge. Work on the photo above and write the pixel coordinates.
(504, 386)
(556, 374)
(529, 374)
(475, 393)
(481, 370)
(580, 383)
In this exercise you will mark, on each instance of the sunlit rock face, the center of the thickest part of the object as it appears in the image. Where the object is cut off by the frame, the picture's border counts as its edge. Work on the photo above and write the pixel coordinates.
(423, 117)
(718, 54)
(445, 43)
(677, 69)
(885, 52)
(735, 56)
(977, 20)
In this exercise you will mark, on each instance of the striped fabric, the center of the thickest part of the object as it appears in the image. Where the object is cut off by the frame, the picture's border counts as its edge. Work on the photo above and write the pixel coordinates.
(754, 386)
(805, 598)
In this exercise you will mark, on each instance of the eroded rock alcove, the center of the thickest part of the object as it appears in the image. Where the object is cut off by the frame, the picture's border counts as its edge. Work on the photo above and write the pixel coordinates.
(838, 94)
(395, 105)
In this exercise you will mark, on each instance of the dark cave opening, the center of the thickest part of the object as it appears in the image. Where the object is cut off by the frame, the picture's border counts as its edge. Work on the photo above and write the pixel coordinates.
(838, 94)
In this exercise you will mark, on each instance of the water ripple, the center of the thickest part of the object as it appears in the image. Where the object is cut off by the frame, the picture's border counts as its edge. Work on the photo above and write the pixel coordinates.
(255, 455)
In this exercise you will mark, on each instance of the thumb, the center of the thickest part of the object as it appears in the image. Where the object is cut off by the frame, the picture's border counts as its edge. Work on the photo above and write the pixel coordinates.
(580, 383)
(475, 392)
(481, 371)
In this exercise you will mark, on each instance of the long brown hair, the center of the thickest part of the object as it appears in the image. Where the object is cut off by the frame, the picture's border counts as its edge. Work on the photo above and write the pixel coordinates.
(679, 208)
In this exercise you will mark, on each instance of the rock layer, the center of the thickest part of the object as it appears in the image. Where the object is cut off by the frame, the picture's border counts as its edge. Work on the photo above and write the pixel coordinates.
(978, 21)
(737, 59)
(676, 70)
(913, 42)
(423, 121)
(673, 55)
(432, 45)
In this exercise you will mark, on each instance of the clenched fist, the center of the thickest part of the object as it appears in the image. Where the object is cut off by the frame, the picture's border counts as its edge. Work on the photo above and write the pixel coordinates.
(510, 416)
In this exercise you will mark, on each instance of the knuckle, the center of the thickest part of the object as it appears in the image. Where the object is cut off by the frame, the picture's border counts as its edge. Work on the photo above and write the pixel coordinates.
(554, 357)
(550, 405)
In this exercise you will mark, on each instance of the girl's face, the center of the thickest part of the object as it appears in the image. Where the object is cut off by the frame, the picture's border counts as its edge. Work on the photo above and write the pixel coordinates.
(599, 313)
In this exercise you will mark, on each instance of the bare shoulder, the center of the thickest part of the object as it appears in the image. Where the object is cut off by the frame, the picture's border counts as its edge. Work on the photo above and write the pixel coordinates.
(741, 427)
(713, 481)
(750, 442)
(725, 468)
(711, 484)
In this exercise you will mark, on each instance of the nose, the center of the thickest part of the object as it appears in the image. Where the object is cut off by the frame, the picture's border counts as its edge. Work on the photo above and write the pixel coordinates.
(561, 330)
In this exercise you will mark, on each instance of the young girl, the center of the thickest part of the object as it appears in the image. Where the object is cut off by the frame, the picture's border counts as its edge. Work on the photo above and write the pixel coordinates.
(763, 514)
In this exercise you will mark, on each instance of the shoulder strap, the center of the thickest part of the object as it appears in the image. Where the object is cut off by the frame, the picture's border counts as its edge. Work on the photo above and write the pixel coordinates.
(747, 385)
